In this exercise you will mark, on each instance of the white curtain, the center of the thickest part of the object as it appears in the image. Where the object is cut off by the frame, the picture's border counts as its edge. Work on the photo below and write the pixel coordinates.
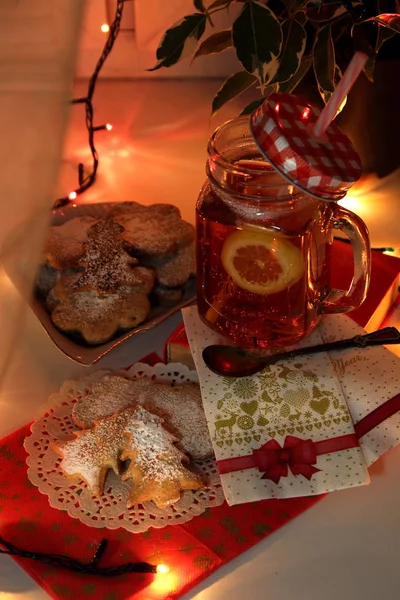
(38, 46)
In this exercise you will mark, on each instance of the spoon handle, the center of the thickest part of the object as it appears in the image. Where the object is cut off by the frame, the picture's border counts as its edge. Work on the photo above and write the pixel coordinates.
(388, 335)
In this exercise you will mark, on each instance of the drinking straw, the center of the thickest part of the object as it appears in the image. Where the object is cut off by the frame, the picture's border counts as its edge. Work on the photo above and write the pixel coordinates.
(346, 83)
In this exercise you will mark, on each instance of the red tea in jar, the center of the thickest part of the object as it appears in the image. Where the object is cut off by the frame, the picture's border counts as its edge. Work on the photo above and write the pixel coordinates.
(263, 248)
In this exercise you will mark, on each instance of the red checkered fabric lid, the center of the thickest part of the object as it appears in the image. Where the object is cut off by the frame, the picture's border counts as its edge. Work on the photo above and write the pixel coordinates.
(326, 167)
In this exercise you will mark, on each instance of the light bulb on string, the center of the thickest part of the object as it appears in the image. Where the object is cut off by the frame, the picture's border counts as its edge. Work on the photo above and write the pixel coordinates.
(105, 28)
(106, 127)
(162, 569)
(72, 196)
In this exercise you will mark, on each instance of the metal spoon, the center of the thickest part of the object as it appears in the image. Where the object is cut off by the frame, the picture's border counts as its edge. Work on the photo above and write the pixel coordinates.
(236, 362)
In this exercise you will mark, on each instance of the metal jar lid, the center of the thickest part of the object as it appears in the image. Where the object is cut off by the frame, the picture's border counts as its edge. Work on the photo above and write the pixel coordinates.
(326, 167)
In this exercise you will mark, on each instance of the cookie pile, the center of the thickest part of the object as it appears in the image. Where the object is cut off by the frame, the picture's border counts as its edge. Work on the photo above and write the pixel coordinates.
(103, 275)
(154, 426)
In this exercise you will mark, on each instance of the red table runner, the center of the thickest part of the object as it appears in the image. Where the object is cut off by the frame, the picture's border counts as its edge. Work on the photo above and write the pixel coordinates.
(192, 551)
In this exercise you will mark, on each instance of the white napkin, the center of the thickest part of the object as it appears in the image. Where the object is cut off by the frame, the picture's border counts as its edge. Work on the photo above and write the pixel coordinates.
(369, 378)
(311, 398)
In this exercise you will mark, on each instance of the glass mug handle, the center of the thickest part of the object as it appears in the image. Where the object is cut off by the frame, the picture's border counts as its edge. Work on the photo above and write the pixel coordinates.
(339, 301)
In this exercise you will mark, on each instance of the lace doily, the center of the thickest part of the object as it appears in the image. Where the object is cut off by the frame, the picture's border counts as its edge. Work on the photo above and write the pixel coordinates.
(110, 509)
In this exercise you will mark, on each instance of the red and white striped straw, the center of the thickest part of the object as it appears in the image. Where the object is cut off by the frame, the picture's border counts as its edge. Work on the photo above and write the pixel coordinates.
(346, 83)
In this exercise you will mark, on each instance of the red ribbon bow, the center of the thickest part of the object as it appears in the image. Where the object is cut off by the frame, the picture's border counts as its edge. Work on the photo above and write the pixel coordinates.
(297, 454)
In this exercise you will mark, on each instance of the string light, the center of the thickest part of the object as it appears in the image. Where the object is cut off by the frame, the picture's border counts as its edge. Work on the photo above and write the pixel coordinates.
(92, 568)
(105, 28)
(86, 180)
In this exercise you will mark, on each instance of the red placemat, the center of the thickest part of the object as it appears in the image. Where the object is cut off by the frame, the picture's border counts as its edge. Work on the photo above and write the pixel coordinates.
(191, 551)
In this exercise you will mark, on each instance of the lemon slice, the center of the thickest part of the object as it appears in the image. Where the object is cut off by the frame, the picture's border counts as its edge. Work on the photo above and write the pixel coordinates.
(261, 261)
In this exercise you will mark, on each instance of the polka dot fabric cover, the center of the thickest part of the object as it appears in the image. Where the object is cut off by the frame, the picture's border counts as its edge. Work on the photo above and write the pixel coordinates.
(316, 398)
(326, 167)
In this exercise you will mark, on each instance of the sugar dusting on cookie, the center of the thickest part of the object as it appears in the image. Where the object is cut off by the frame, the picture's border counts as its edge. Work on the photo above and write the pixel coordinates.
(97, 316)
(157, 230)
(177, 270)
(156, 466)
(65, 243)
(180, 406)
(182, 409)
(107, 265)
(104, 252)
(109, 394)
(151, 443)
(93, 451)
(92, 305)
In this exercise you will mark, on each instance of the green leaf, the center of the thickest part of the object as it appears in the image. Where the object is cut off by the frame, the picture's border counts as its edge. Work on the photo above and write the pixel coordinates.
(232, 87)
(326, 94)
(340, 27)
(252, 106)
(217, 42)
(294, 43)
(199, 4)
(289, 86)
(324, 59)
(256, 103)
(384, 34)
(369, 67)
(322, 14)
(301, 17)
(295, 5)
(180, 40)
(219, 3)
(389, 20)
(257, 37)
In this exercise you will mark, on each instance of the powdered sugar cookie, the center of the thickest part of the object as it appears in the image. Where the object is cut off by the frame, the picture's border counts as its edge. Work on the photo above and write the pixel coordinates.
(65, 243)
(177, 269)
(97, 316)
(134, 208)
(109, 394)
(107, 266)
(166, 296)
(157, 231)
(182, 409)
(93, 452)
(156, 466)
(180, 406)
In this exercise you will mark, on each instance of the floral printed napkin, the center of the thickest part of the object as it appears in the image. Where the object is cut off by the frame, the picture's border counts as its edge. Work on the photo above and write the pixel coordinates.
(286, 431)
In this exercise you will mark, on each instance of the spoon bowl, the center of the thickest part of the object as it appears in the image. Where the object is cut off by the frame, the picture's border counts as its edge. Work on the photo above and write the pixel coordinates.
(231, 361)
